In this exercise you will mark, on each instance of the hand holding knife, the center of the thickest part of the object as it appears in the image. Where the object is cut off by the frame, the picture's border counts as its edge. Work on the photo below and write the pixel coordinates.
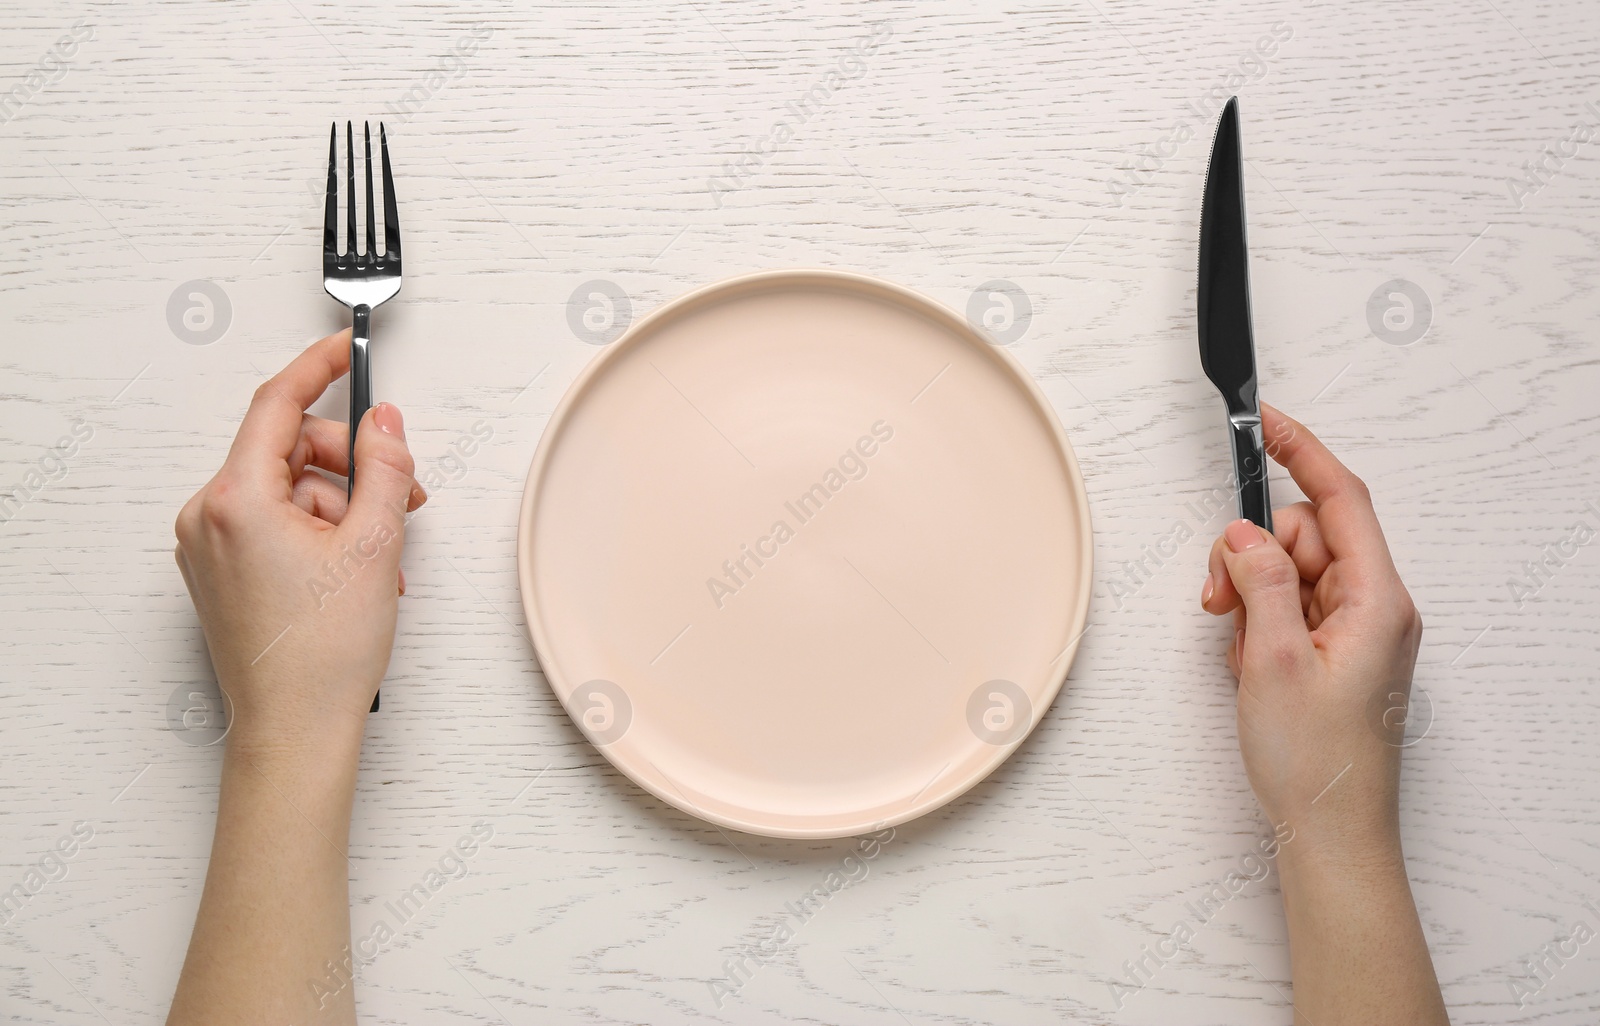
(1227, 345)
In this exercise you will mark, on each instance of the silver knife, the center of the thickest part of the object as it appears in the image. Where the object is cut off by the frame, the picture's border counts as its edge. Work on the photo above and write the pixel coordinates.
(1227, 346)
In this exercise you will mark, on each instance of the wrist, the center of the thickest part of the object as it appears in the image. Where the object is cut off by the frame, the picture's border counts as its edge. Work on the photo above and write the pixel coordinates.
(314, 778)
(322, 743)
(1350, 823)
(1342, 852)
(272, 717)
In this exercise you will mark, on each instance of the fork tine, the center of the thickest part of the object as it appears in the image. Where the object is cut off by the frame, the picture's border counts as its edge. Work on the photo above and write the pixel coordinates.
(372, 224)
(350, 178)
(330, 215)
(391, 210)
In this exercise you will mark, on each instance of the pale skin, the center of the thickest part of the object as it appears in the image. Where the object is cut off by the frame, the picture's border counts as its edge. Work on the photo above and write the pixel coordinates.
(300, 632)
(1325, 644)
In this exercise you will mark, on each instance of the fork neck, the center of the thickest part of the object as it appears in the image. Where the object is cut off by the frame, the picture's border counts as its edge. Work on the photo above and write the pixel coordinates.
(360, 379)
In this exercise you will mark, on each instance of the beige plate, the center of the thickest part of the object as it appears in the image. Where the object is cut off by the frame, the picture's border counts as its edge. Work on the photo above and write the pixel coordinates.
(803, 555)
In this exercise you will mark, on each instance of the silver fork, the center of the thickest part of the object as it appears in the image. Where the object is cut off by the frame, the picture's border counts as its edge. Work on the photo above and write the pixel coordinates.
(360, 280)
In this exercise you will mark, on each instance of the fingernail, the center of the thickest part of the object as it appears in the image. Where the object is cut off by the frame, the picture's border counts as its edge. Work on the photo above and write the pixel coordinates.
(387, 417)
(418, 496)
(1207, 589)
(1241, 535)
(402, 582)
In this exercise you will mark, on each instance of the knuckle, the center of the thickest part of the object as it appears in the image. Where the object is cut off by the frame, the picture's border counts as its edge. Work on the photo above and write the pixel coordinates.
(264, 392)
(219, 506)
(187, 523)
(1358, 488)
(1409, 617)
(394, 455)
(1275, 572)
(1282, 654)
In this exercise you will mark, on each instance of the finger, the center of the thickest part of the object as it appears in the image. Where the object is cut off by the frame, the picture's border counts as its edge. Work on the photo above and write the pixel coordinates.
(384, 484)
(1347, 521)
(1236, 641)
(323, 443)
(1297, 531)
(320, 497)
(326, 443)
(271, 427)
(1277, 640)
(1218, 595)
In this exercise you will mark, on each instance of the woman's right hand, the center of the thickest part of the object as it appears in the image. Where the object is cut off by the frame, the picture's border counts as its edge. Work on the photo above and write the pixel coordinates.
(1324, 649)
(296, 589)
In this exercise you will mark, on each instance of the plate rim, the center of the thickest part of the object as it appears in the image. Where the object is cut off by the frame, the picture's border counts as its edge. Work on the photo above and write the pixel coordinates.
(929, 800)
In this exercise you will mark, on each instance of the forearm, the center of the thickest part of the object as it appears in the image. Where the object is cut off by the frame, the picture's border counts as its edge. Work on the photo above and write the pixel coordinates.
(276, 906)
(1357, 952)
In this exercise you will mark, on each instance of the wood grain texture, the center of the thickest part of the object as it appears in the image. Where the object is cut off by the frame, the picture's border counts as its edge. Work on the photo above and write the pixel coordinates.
(184, 142)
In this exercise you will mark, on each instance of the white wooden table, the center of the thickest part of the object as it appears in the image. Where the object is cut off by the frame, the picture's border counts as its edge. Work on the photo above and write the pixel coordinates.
(1056, 147)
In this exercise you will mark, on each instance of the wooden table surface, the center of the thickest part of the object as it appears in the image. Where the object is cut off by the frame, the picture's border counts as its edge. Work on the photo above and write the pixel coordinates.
(1424, 191)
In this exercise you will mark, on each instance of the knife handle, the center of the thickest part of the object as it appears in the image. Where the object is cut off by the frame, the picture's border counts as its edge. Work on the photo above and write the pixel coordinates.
(1250, 470)
(360, 394)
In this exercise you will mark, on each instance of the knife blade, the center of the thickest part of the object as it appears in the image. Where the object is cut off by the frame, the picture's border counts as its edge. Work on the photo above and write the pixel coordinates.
(1222, 301)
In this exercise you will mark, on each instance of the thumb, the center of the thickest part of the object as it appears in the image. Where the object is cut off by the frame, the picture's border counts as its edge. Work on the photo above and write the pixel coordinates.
(1275, 634)
(376, 517)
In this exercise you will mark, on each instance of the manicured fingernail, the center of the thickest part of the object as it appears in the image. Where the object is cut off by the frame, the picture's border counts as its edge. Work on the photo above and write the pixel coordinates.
(418, 496)
(1207, 589)
(387, 417)
(1241, 535)
(402, 582)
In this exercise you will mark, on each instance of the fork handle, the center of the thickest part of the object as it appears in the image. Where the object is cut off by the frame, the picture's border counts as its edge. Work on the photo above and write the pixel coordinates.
(360, 382)
(360, 394)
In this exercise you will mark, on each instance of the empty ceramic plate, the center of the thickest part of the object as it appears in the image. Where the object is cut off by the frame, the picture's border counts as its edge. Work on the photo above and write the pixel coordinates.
(804, 555)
